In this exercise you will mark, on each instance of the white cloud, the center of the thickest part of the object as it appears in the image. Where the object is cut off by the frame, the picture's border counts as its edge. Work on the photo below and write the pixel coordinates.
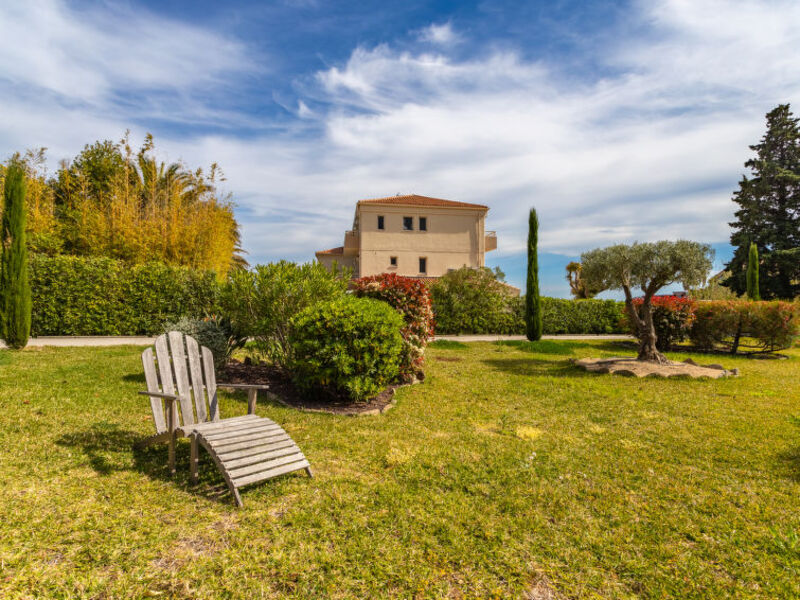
(651, 151)
(442, 34)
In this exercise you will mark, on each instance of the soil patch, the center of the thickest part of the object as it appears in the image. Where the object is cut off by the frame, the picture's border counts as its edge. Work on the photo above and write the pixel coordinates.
(635, 368)
(283, 390)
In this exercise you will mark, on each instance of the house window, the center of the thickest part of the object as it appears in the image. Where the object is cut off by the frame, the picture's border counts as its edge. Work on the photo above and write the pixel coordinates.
(423, 264)
(380, 222)
(408, 223)
(393, 261)
(423, 223)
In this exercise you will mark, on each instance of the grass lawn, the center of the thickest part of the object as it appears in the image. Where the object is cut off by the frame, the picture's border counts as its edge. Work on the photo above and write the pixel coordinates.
(507, 472)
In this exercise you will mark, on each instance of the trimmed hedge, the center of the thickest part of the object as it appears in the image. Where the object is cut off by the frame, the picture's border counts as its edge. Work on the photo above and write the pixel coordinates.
(581, 316)
(75, 295)
(346, 347)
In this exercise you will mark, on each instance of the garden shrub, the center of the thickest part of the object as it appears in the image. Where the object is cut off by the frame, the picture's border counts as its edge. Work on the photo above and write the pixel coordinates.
(411, 299)
(75, 295)
(214, 332)
(473, 301)
(347, 347)
(672, 318)
(261, 302)
(731, 324)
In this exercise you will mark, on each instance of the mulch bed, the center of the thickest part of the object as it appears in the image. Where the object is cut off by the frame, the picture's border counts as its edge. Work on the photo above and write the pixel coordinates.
(284, 391)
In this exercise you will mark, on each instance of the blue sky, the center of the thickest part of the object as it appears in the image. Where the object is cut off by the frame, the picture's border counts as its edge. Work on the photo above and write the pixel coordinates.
(619, 121)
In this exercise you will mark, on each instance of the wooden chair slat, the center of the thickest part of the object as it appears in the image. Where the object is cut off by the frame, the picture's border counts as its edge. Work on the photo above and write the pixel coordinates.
(151, 377)
(181, 376)
(270, 473)
(196, 374)
(211, 384)
(251, 444)
(165, 372)
(240, 429)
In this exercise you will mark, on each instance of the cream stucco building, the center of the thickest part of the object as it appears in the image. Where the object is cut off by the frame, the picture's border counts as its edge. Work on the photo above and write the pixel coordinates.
(413, 235)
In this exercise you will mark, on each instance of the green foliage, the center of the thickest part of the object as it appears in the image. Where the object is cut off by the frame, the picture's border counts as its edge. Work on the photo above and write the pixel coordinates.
(473, 301)
(713, 290)
(577, 286)
(765, 326)
(347, 347)
(752, 274)
(648, 266)
(768, 212)
(533, 308)
(215, 333)
(411, 299)
(112, 201)
(580, 316)
(261, 302)
(101, 296)
(15, 291)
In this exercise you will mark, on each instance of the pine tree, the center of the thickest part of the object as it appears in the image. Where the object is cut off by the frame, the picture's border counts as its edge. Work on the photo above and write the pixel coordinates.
(15, 292)
(752, 274)
(769, 210)
(533, 308)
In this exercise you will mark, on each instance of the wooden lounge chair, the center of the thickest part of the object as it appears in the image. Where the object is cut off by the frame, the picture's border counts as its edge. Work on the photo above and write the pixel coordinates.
(246, 449)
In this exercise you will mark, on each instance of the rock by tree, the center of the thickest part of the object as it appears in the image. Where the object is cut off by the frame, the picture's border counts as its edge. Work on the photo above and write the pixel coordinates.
(769, 211)
(649, 267)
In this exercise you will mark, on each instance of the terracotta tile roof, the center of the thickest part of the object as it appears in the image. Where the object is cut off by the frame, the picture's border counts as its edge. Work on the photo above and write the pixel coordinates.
(416, 200)
(337, 250)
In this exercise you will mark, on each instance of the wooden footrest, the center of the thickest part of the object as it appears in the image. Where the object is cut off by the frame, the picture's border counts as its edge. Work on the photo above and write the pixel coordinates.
(248, 450)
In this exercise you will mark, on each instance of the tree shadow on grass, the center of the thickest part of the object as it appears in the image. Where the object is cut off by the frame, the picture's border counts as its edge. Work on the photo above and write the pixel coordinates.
(790, 463)
(537, 366)
(108, 447)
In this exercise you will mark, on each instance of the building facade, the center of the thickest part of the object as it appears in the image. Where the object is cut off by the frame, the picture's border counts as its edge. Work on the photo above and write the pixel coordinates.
(414, 236)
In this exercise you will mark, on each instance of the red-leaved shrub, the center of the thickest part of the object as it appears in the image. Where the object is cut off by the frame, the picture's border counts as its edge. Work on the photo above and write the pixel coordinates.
(731, 324)
(672, 318)
(411, 299)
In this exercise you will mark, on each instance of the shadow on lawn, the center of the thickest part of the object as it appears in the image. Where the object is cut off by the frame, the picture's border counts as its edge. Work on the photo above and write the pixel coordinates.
(791, 462)
(107, 448)
(537, 366)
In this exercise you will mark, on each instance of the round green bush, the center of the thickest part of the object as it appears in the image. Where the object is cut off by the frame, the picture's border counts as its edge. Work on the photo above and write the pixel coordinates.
(347, 347)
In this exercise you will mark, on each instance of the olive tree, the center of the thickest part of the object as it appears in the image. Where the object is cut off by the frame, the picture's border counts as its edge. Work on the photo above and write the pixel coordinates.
(648, 266)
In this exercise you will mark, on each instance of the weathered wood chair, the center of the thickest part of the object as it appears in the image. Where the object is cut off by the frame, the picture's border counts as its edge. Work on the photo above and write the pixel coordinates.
(246, 449)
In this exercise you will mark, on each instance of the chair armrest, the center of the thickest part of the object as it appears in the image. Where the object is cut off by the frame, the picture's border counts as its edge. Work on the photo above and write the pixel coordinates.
(243, 386)
(252, 393)
(160, 395)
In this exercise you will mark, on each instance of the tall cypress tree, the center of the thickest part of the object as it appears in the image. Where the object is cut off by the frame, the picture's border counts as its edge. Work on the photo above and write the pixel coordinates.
(15, 292)
(533, 308)
(752, 274)
(769, 211)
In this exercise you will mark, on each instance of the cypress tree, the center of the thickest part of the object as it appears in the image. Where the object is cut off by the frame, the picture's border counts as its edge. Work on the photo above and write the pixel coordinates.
(752, 274)
(15, 291)
(533, 307)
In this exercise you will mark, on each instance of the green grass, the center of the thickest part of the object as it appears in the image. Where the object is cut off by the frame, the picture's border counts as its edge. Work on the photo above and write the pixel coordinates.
(507, 470)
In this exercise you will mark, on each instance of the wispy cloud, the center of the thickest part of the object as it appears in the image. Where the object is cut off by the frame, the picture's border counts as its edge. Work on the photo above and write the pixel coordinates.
(651, 149)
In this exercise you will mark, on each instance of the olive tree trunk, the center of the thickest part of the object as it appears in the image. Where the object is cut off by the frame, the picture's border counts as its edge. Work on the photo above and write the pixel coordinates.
(643, 320)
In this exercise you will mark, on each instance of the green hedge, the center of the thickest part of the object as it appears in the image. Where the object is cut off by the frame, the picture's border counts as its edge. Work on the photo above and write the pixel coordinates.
(558, 316)
(102, 296)
(581, 316)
